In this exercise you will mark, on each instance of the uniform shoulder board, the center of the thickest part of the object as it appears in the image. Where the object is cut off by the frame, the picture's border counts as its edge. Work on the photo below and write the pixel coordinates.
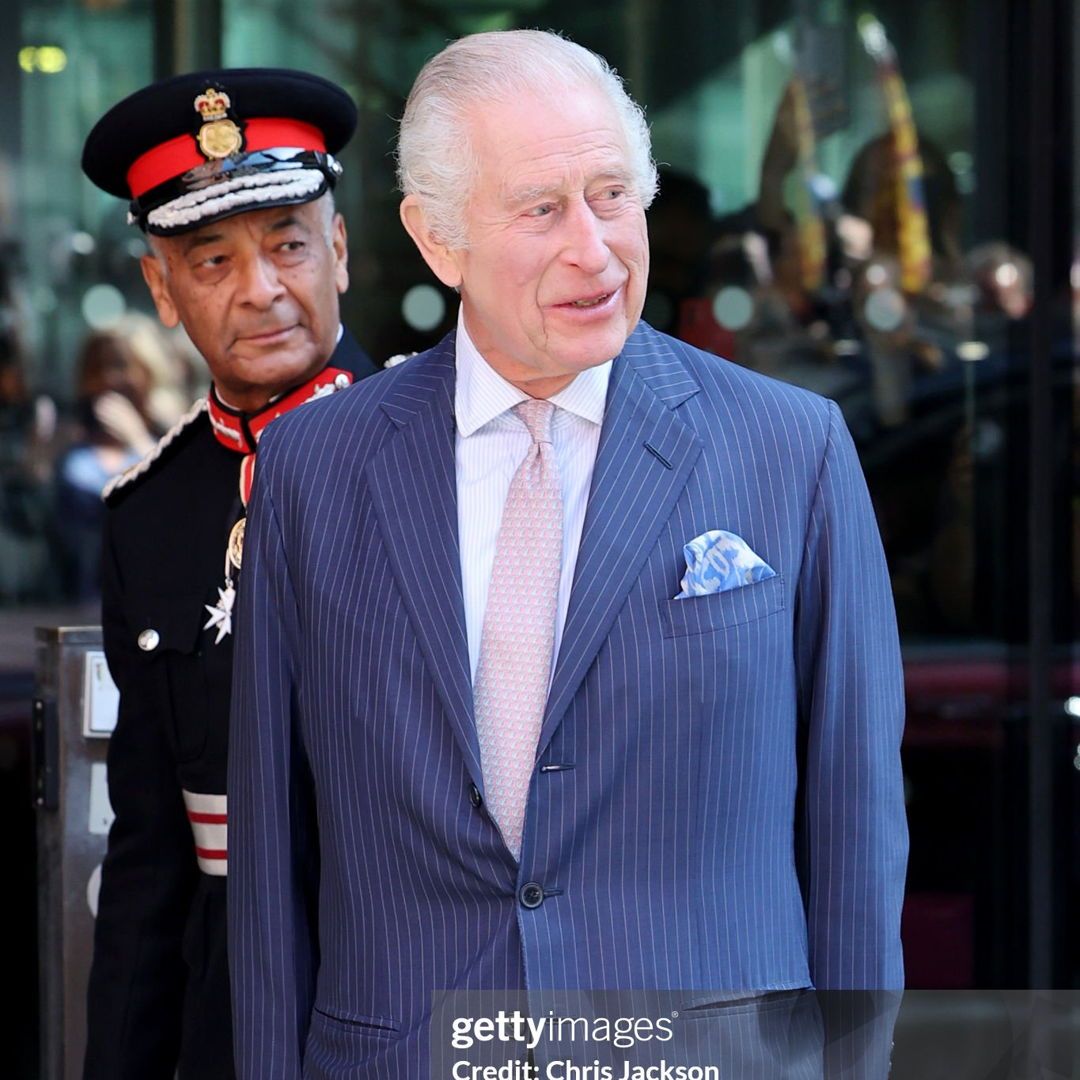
(122, 482)
(399, 358)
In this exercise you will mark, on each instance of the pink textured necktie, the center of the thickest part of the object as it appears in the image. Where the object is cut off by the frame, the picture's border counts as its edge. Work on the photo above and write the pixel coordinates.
(519, 627)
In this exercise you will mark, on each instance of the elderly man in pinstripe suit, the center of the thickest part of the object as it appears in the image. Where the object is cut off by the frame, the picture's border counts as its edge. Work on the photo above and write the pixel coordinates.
(568, 658)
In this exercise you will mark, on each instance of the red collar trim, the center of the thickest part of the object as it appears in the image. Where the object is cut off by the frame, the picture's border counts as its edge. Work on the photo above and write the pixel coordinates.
(240, 431)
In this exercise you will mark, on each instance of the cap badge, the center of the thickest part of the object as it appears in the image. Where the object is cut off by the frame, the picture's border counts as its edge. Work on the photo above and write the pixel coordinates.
(219, 137)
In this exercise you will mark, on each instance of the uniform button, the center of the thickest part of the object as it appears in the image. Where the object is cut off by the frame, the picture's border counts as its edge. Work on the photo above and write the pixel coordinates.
(475, 797)
(149, 640)
(531, 895)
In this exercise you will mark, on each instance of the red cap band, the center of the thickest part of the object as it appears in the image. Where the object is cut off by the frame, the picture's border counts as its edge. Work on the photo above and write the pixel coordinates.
(175, 157)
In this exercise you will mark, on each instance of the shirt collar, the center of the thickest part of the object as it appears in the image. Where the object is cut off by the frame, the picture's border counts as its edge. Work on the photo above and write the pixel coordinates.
(481, 393)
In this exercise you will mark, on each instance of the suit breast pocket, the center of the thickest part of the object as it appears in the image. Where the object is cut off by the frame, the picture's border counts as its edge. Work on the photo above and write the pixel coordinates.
(719, 611)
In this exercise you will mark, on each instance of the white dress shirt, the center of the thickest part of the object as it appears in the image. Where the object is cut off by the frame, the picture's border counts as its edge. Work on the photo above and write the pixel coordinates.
(491, 443)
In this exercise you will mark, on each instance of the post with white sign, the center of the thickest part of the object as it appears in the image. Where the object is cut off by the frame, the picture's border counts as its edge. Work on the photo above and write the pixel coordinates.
(74, 714)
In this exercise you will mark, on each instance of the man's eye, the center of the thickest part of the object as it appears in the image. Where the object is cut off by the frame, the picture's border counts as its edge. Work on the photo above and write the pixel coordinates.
(212, 262)
(540, 211)
(292, 245)
(612, 194)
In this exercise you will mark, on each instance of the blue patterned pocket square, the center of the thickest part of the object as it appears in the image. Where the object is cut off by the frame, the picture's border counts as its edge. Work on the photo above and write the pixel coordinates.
(720, 560)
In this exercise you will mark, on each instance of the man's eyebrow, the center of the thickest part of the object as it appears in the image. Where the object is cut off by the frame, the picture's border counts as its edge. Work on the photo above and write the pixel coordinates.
(201, 239)
(618, 176)
(205, 237)
(286, 222)
(531, 192)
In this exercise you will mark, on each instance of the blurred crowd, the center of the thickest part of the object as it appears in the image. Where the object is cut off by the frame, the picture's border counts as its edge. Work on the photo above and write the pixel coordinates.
(132, 382)
(864, 292)
(860, 297)
(860, 290)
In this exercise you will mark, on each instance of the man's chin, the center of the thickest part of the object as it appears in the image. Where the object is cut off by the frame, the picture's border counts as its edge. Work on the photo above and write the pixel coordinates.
(273, 373)
(592, 350)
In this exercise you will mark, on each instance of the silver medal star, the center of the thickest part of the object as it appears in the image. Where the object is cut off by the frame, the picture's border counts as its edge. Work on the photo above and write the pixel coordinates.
(221, 612)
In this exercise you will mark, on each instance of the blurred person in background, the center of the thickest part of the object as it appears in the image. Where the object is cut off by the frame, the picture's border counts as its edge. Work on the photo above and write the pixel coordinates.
(175, 382)
(230, 175)
(114, 430)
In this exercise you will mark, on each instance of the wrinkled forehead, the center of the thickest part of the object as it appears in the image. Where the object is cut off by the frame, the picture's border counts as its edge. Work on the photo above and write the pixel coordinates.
(254, 224)
(530, 143)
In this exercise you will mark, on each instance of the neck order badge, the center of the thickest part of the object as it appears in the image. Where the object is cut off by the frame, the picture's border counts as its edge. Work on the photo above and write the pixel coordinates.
(240, 432)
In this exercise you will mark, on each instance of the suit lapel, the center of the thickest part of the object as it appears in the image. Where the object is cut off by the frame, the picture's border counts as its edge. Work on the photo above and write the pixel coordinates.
(414, 490)
(643, 463)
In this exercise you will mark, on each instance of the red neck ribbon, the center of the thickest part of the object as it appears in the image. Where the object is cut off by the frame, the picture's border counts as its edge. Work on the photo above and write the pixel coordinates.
(240, 431)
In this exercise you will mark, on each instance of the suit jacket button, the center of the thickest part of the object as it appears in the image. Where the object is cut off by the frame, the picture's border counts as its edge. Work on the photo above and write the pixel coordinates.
(475, 797)
(531, 895)
(149, 640)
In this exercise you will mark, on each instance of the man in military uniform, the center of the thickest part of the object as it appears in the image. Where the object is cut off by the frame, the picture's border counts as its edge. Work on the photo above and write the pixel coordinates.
(230, 174)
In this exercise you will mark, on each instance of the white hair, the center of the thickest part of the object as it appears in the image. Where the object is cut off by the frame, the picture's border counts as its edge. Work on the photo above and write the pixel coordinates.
(435, 161)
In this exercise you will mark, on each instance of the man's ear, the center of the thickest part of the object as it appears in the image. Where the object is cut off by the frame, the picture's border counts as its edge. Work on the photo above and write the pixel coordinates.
(339, 241)
(441, 259)
(153, 272)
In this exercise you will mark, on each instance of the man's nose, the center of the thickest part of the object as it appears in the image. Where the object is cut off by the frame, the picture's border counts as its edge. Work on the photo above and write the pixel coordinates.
(260, 285)
(586, 244)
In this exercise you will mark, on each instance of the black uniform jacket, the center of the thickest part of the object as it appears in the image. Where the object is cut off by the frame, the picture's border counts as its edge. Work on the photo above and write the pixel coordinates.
(159, 992)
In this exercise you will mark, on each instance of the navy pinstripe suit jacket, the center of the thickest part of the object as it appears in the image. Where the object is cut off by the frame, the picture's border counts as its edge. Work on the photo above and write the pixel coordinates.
(727, 810)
